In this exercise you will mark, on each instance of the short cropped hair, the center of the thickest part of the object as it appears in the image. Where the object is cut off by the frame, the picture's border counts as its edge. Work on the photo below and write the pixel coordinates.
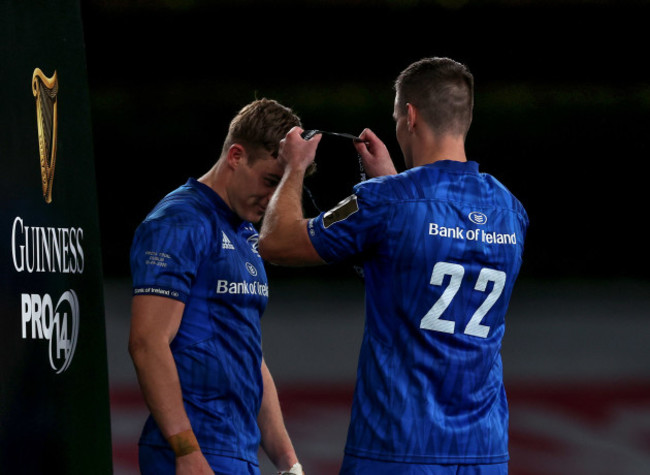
(261, 125)
(442, 90)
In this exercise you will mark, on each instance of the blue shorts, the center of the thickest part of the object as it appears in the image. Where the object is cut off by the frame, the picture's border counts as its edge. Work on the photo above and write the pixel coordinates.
(360, 466)
(161, 461)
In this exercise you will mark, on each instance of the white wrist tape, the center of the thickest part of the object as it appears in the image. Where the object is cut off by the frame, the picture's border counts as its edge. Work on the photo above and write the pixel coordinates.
(295, 470)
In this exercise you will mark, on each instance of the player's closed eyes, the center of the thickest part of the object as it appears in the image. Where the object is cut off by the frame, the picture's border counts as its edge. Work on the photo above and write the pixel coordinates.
(271, 182)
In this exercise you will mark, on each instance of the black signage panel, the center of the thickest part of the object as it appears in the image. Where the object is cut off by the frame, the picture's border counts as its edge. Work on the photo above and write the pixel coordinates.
(54, 403)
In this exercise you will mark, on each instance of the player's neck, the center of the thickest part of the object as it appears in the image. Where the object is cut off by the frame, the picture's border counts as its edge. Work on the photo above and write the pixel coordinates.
(216, 179)
(441, 148)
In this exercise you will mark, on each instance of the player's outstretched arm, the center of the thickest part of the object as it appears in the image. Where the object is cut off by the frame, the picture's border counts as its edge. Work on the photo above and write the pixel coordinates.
(283, 237)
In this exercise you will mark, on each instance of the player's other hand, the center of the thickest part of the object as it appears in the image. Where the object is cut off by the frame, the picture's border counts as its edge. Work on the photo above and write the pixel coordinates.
(296, 152)
(374, 155)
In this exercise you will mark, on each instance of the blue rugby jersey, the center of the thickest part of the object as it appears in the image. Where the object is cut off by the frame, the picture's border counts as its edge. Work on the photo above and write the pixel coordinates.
(193, 248)
(441, 246)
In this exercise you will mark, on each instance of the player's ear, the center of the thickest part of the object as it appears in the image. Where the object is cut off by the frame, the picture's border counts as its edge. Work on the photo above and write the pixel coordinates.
(236, 155)
(411, 116)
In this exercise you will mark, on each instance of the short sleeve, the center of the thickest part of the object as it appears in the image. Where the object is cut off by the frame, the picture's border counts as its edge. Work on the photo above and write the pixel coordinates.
(165, 258)
(351, 228)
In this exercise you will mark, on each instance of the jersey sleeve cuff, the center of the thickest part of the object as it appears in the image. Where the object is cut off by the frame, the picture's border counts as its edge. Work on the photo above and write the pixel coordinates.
(160, 292)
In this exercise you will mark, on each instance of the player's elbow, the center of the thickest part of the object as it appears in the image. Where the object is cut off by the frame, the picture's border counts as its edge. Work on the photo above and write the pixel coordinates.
(137, 351)
(288, 252)
(272, 250)
(138, 346)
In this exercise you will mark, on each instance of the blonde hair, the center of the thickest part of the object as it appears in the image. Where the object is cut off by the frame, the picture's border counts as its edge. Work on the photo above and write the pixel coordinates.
(261, 125)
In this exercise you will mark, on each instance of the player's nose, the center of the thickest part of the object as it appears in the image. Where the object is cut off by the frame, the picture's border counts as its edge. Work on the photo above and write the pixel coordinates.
(264, 201)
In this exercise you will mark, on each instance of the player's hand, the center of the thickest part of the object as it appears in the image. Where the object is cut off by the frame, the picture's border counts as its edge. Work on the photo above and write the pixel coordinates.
(193, 464)
(296, 152)
(374, 155)
(295, 470)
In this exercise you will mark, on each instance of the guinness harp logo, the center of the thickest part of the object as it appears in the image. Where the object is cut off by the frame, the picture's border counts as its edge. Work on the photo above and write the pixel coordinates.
(45, 90)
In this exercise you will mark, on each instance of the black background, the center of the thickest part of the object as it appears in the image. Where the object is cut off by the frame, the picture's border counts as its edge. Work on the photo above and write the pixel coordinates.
(561, 116)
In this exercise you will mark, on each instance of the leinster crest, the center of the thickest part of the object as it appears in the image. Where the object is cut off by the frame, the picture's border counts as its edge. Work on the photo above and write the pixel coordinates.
(45, 91)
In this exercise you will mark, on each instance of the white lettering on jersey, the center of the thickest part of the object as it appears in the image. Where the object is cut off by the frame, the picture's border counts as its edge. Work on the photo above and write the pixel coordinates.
(242, 288)
(481, 235)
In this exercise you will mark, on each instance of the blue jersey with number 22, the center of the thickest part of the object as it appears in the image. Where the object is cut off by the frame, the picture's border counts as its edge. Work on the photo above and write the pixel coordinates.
(441, 246)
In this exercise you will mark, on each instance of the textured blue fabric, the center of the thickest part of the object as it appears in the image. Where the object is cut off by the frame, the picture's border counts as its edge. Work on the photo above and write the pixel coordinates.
(441, 247)
(193, 248)
(161, 461)
(361, 466)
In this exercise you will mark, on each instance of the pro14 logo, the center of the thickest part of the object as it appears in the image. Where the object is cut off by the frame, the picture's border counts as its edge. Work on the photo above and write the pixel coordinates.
(59, 324)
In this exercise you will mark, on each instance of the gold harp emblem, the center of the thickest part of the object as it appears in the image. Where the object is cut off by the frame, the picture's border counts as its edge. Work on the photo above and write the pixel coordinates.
(45, 91)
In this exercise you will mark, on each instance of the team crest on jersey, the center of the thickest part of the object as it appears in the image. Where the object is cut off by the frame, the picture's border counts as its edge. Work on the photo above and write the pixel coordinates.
(225, 242)
(251, 269)
(253, 240)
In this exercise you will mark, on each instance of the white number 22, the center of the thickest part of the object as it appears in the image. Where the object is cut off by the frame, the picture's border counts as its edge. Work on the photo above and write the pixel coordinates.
(433, 319)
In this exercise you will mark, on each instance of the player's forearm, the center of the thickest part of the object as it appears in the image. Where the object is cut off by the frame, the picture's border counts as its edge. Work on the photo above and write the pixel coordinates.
(275, 441)
(275, 438)
(160, 386)
(285, 207)
(283, 237)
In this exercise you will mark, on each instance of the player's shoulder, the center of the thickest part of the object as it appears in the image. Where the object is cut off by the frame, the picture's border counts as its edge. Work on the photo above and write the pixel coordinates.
(182, 207)
(503, 194)
(413, 184)
(387, 189)
(174, 221)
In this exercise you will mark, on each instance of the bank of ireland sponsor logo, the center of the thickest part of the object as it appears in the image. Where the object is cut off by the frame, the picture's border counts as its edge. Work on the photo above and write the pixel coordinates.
(243, 287)
(156, 291)
(461, 233)
(57, 323)
(477, 217)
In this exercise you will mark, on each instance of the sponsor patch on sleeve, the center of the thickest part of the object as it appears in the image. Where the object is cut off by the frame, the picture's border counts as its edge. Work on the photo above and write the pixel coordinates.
(341, 211)
(160, 291)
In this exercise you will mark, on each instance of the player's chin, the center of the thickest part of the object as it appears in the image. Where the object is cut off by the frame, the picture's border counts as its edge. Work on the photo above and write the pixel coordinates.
(253, 212)
(256, 215)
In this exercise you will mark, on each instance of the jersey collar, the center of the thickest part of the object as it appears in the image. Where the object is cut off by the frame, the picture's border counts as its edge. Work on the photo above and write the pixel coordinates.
(219, 204)
(467, 166)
